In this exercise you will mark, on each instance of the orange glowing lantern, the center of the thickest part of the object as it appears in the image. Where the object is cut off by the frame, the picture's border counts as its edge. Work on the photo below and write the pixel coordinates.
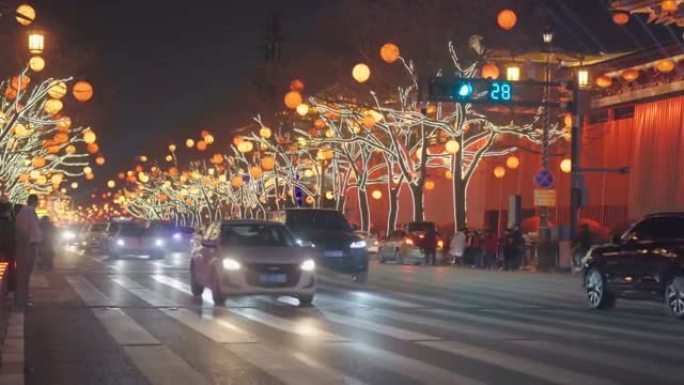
(499, 172)
(310, 200)
(38, 162)
(70, 149)
(201, 145)
(376, 194)
(506, 19)
(267, 163)
(93, 148)
(604, 81)
(630, 75)
(369, 120)
(255, 172)
(100, 160)
(217, 159)
(490, 71)
(512, 162)
(82, 91)
(389, 52)
(665, 66)
(20, 82)
(621, 18)
(668, 5)
(318, 123)
(429, 184)
(297, 85)
(292, 99)
(236, 181)
(24, 178)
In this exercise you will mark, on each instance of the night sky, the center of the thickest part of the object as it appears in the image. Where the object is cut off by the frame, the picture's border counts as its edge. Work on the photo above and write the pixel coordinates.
(164, 70)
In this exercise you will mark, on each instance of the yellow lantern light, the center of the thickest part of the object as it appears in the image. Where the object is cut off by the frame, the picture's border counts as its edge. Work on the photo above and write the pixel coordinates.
(308, 173)
(21, 131)
(189, 143)
(389, 52)
(265, 132)
(512, 162)
(143, 178)
(209, 139)
(630, 75)
(70, 149)
(172, 147)
(57, 89)
(111, 184)
(665, 66)
(303, 109)
(245, 146)
(38, 162)
(429, 184)
(53, 106)
(36, 42)
(89, 137)
(57, 179)
(329, 195)
(37, 64)
(90, 176)
(499, 172)
(449, 175)
(361, 73)
(82, 91)
(292, 99)
(566, 165)
(310, 200)
(604, 81)
(87, 170)
(376, 194)
(583, 78)
(452, 146)
(25, 14)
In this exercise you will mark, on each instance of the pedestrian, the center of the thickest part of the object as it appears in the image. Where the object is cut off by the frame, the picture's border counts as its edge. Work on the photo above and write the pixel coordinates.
(509, 251)
(489, 246)
(518, 245)
(457, 247)
(46, 253)
(430, 246)
(582, 244)
(27, 238)
(476, 250)
(7, 252)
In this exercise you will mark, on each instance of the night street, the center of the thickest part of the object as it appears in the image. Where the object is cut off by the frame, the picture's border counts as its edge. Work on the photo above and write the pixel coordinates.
(96, 321)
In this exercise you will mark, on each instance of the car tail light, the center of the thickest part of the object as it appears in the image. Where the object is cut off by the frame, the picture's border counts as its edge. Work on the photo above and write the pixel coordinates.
(409, 241)
(421, 236)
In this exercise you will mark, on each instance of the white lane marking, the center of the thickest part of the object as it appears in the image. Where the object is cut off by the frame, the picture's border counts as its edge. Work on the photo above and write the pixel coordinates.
(402, 334)
(419, 371)
(163, 367)
(302, 327)
(38, 281)
(123, 328)
(216, 329)
(182, 287)
(519, 364)
(88, 293)
(141, 292)
(288, 367)
(649, 368)
(308, 361)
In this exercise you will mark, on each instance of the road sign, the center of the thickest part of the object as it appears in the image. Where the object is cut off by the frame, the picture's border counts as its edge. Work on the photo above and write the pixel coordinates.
(544, 198)
(544, 178)
(489, 91)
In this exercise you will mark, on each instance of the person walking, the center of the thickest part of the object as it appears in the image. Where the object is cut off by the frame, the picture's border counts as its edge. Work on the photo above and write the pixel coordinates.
(27, 238)
(489, 246)
(457, 247)
(518, 245)
(510, 250)
(430, 247)
(46, 252)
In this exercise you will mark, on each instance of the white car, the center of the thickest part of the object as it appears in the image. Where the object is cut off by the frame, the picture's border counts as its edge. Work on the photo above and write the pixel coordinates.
(245, 257)
(136, 241)
(371, 239)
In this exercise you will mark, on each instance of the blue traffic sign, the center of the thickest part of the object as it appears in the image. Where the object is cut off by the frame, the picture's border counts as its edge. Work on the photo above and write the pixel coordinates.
(544, 178)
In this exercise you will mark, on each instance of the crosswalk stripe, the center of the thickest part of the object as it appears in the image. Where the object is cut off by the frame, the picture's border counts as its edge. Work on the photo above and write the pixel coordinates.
(375, 327)
(292, 368)
(163, 367)
(417, 370)
(216, 329)
(302, 327)
(88, 293)
(141, 292)
(122, 328)
(526, 366)
(615, 360)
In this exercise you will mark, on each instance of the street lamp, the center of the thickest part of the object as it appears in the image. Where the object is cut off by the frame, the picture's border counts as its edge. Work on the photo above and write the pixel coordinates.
(513, 73)
(582, 78)
(36, 42)
(547, 35)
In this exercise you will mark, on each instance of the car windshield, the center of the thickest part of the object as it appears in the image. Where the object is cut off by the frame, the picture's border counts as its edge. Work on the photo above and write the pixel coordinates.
(132, 231)
(252, 235)
(99, 228)
(317, 220)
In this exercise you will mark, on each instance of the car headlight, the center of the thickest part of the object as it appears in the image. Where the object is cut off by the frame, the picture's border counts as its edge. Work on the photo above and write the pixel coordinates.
(231, 264)
(358, 244)
(68, 235)
(308, 265)
(177, 236)
(159, 242)
(120, 242)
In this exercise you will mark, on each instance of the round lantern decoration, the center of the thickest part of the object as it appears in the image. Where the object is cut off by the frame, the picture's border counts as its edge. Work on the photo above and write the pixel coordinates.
(38, 162)
(376, 194)
(448, 174)
(70, 149)
(172, 147)
(329, 195)
(630, 75)
(24, 178)
(37, 64)
(21, 131)
(57, 179)
(57, 89)
(293, 99)
(665, 66)
(265, 132)
(369, 120)
(512, 162)
(82, 91)
(668, 5)
(100, 160)
(93, 148)
(53, 106)
(604, 81)
(429, 185)
(303, 109)
(452, 146)
(87, 170)
(74, 185)
(245, 146)
(499, 172)
(361, 73)
(621, 18)
(297, 85)
(25, 14)
(506, 19)
(237, 140)
(209, 139)
(389, 52)
(255, 172)
(310, 200)
(236, 181)
(267, 163)
(201, 145)
(189, 143)
(566, 165)
(89, 137)
(490, 71)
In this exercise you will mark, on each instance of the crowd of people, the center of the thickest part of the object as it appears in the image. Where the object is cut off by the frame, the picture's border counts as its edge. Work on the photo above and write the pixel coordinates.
(483, 249)
(25, 241)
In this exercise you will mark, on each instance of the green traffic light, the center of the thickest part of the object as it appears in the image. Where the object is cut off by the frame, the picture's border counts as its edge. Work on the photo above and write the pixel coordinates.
(464, 90)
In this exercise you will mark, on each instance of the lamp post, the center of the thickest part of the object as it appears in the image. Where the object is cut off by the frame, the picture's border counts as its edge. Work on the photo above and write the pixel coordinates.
(36, 42)
(499, 173)
(547, 37)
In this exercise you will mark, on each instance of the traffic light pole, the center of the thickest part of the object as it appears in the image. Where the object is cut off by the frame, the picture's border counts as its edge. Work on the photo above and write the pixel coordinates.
(575, 154)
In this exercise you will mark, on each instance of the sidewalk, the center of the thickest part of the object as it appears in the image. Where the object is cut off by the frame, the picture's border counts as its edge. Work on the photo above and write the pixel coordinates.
(12, 370)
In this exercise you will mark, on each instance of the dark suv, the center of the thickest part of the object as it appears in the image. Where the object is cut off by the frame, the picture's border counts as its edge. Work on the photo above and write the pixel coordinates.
(646, 262)
(341, 250)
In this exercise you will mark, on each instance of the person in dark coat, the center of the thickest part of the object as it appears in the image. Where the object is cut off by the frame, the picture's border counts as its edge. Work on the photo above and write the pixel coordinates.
(430, 246)
(46, 250)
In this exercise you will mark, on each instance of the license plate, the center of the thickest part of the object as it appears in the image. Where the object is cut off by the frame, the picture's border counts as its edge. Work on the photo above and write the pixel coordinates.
(273, 278)
(334, 253)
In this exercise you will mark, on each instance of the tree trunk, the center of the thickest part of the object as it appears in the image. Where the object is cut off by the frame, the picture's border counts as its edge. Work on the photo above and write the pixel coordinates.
(459, 192)
(418, 209)
(364, 211)
(393, 210)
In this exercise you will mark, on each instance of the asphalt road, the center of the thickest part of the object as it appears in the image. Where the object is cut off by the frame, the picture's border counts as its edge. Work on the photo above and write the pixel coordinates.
(95, 321)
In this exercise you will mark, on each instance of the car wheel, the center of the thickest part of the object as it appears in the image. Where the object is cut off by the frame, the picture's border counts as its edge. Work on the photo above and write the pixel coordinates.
(216, 294)
(674, 297)
(196, 288)
(598, 295)
(305, 300)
